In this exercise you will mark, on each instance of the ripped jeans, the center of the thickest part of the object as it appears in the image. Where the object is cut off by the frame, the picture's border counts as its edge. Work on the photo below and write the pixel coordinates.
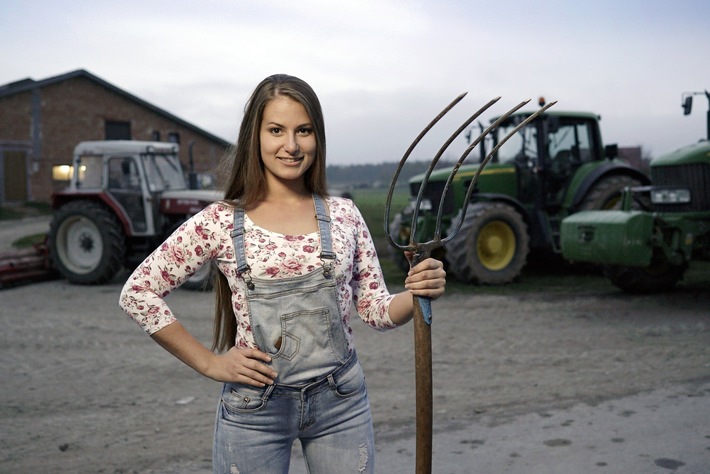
(256, 427)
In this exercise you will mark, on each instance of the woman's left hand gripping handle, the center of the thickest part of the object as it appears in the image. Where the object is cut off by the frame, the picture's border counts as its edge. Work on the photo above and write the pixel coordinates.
(427, 279)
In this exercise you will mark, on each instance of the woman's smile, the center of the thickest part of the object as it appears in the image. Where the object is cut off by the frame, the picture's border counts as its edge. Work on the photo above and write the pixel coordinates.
(291, 159)
(288, 144)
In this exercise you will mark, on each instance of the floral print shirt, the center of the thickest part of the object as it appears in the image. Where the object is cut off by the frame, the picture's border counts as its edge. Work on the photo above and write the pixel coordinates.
(207, 236)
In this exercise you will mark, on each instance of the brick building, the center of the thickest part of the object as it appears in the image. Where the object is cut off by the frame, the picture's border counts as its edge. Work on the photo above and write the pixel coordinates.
(42, 121)
(634, 156)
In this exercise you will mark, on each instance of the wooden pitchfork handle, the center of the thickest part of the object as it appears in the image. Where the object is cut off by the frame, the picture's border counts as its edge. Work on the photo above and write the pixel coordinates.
(422, 250)
(422, 367)
(423, 378)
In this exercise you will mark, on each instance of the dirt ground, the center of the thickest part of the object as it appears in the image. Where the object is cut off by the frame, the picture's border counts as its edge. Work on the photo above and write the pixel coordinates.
(85, 390)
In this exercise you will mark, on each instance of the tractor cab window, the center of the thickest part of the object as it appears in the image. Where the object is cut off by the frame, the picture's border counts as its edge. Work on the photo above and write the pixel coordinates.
(521, 147)
(123, 174)
(89, 172)
(124, 184)
(569, 145)
(164, 172)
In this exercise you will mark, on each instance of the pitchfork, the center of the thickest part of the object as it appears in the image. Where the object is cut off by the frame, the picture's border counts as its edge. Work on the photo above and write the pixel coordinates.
(419, 251)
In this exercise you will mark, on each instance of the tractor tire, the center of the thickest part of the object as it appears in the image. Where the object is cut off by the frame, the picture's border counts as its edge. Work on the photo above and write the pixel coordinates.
(398, 256)
(656, 278)
(606, 193)
(491, 247)
(86, 243)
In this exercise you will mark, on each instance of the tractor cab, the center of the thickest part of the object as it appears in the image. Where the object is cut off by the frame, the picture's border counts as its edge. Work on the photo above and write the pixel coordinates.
(547, 153)
(133, 175)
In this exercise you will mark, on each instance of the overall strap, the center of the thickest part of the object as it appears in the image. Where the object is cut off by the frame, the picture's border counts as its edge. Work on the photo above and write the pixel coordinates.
(238, 242)
(327, 255)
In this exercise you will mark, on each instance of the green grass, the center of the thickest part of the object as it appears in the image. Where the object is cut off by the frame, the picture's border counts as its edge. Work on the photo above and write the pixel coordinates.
(9, 213)
(26, 209)
(371, 203)
(29, 240)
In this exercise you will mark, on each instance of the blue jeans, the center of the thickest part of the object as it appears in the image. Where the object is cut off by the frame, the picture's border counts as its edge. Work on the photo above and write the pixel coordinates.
(256, 427)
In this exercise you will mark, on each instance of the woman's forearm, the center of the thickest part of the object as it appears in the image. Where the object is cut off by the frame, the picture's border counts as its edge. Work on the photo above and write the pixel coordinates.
(179, 342)
(401, 308)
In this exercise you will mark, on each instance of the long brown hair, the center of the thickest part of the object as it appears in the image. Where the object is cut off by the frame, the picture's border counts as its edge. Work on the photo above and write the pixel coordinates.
(245, 182)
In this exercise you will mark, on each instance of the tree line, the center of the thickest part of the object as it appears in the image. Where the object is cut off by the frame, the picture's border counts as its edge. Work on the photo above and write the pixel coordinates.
(375, 175)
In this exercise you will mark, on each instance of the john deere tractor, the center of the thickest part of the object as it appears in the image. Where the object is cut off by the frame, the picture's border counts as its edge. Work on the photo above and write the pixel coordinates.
(649, 250)
(553, 167)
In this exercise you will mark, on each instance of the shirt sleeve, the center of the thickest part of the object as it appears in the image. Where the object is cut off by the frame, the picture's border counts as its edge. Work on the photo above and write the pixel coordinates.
(193, 244)
(370, 293)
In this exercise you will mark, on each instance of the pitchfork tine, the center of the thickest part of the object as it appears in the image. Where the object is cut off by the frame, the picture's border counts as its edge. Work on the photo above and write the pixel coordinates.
(464, 155)
(404, 159)
(473, 182)
(432, 165)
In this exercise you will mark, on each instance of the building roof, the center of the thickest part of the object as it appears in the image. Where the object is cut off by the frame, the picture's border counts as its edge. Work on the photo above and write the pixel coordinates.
(29, 84)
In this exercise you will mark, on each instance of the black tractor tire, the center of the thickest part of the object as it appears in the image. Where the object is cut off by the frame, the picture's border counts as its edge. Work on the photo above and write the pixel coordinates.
(86, 243)
(492, 246)
(398, 256)
(606, 193)
(656, 278)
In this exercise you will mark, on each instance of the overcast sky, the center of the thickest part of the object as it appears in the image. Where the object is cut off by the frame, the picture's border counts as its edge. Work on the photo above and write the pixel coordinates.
(383, 69)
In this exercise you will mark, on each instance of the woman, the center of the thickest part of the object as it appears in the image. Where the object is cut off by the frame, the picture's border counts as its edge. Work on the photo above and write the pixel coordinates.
(294, 263)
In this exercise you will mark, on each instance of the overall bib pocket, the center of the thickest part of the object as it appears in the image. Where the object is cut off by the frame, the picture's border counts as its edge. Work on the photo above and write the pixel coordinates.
(310, 329)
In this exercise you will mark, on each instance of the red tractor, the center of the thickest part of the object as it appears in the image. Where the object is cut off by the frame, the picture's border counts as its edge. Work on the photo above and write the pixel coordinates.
(123, 200)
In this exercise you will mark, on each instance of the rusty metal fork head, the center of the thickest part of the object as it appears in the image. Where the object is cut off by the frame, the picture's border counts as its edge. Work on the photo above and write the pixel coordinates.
(422, 250)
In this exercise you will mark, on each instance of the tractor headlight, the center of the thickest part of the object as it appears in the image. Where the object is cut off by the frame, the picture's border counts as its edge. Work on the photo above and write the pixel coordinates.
(425, 205)
(670, 196)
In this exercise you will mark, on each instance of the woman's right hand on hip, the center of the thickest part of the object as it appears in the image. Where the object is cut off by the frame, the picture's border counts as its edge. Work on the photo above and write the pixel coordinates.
(245, 366)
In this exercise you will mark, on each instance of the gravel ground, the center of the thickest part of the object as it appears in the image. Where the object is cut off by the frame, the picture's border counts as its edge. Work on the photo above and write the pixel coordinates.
(85, 390)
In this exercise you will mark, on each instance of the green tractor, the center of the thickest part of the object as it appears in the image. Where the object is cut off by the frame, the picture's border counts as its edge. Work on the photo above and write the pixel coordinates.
(649, 250)
(554, 166)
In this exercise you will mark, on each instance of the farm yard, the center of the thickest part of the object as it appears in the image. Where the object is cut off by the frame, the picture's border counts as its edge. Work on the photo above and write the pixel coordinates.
(557, 372)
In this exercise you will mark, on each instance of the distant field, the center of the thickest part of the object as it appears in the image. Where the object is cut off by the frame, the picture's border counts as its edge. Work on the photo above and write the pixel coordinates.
(371, 203)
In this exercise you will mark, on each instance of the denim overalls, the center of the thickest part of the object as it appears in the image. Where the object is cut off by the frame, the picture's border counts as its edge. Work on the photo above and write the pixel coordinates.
(319, 395)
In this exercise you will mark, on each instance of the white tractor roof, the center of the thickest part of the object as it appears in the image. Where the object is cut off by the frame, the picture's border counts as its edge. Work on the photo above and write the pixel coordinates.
(123, 146)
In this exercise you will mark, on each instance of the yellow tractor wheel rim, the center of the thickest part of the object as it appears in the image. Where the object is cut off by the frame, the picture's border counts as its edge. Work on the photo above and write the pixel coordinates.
(496, 245)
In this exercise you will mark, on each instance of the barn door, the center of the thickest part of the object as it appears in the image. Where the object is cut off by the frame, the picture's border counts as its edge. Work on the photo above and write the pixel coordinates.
(14, 167)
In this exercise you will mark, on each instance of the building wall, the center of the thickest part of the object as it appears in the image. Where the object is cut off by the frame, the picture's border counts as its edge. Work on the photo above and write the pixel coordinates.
(633, 155)
(76, 110)
(15, 146)
(15, 117)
